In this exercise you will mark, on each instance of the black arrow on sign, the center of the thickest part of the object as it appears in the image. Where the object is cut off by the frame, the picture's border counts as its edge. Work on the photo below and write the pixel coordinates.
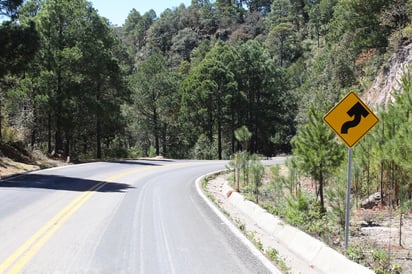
(358, 111)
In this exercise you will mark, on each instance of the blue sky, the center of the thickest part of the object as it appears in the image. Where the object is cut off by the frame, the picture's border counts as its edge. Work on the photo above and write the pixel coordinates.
(118, 10)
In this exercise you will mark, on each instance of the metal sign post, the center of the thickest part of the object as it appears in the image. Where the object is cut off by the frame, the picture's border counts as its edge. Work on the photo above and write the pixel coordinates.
(350, 119)
(347, 218)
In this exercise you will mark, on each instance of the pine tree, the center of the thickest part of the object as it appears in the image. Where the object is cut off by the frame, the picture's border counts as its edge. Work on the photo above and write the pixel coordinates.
(206, 94)
(317, 152)
(154, 89)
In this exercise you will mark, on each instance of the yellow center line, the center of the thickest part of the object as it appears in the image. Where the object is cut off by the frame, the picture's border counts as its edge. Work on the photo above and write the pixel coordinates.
(16, 261)
(44, 229)
(25, 252)
(24, 259)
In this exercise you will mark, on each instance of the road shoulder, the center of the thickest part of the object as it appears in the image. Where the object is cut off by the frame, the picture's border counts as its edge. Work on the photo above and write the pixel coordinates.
(296, 250)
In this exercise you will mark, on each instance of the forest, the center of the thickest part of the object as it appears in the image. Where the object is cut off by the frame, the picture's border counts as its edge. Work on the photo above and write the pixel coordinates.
(181, 83)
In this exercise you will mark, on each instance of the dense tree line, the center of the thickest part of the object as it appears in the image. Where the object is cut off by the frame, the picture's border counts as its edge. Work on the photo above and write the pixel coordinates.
(181, 83)
(157, 84)
(69, 96)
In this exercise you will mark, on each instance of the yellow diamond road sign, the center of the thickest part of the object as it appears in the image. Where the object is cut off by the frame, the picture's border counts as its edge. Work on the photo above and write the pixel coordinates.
(351, 119)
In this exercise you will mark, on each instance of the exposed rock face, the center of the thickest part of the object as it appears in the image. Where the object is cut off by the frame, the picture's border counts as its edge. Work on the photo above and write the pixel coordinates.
(389, 78)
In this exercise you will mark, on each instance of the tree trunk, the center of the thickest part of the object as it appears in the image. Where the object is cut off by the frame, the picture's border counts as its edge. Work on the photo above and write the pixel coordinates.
(58, 138)
(58, 135)
(33, 137)
(395, 185)
(219, 129)
(49, 133)
(400, 229)
(368, 180)
(98, 122)
(98, 138)
(164, 142)
(381, 184)
(1, 125)
(67, 148)
(237, 177)
(322, 202)
(156, 131)
(210, 121)
(58, 145)
(232, 127)
(85, 144)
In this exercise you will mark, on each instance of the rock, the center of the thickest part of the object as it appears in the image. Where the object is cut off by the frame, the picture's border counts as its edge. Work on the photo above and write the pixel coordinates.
(372, 201)
(388, 81)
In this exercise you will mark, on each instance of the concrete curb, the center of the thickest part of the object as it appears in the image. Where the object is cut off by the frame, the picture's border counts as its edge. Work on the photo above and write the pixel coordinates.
(311, 250)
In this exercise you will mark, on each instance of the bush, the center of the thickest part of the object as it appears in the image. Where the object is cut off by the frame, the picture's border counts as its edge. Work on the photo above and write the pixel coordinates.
(135, 152)
(152, 152)
(204, 149)
(257, 171)
(115, 152)
(382, 260)
(10, 134)
(297, 210)
(355, 253)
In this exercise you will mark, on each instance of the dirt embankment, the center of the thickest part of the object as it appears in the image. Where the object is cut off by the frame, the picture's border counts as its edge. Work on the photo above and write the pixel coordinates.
(15, 159)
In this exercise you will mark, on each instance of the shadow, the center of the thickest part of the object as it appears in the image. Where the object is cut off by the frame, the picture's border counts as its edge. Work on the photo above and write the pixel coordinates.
(54, 182)
(138, 162)
(2, 164)
(370, 224)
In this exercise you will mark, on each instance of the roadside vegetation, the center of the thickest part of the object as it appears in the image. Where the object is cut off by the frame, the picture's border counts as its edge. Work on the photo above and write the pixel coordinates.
(293, 198)
(309, 192)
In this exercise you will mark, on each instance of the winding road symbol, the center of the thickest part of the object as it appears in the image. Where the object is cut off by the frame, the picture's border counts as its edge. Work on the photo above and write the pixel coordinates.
(351, 119)
(358, 111)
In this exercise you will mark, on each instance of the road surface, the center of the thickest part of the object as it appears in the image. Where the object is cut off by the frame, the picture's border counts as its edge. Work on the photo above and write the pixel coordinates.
(117, 217)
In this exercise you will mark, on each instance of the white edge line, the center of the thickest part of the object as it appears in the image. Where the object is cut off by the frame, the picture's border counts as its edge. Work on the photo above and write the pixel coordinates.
(269, 265)
(63, 167)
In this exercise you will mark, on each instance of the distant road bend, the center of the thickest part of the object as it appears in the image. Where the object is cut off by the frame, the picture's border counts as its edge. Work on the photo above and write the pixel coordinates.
(117, 217)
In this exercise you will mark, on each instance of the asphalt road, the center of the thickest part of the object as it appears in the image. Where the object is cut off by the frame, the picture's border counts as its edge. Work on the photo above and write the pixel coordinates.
(117, 217)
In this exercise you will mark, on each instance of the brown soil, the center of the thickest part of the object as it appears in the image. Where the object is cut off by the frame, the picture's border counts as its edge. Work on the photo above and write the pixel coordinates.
(15, 159)
(378, 229)
(383, 233)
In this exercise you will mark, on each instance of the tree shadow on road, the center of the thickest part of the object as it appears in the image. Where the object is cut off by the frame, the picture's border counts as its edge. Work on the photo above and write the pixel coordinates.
(54, 182)
(140, 162)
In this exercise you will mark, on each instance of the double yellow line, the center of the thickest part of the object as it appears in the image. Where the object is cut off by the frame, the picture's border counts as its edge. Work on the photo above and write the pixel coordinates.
(16, 261)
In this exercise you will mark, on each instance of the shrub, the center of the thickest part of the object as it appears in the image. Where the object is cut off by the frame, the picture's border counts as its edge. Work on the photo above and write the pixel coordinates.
(204, 149)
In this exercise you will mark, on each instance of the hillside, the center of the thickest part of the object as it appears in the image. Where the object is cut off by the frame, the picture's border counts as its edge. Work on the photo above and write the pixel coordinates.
(14, 159)
(388, 80)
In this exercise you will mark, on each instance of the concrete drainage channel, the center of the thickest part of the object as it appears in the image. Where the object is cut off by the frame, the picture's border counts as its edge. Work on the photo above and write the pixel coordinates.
(315, 254)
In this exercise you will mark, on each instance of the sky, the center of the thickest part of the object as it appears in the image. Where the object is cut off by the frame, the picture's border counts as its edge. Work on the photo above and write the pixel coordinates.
(118, 10)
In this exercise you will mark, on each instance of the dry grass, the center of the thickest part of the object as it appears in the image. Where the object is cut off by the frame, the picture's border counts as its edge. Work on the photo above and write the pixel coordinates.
(9, 167)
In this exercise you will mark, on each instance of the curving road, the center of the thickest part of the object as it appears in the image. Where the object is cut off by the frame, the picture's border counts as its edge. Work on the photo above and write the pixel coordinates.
(117, 217)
